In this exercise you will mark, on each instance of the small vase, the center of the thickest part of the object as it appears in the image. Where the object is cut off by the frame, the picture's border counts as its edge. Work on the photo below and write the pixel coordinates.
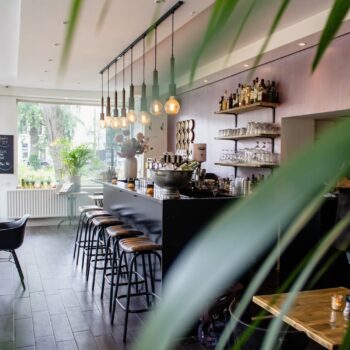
(130, 167)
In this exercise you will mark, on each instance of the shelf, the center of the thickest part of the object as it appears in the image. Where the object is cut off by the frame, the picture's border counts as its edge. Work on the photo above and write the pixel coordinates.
(250, 165)
(248, 108)
(248, 137)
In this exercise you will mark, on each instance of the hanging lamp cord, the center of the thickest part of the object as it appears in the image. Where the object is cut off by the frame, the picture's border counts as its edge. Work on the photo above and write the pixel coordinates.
(108, 81)
(143, 61)
(131, 66)
(123, 71)
(155, 48)
(102, 84)
(172, 34)
(115, 75)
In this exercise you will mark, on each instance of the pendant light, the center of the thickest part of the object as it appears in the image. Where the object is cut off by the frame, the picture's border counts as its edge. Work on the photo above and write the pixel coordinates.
(108, 107)
(145, 118)
(115, 119)
(131, 113)
(156, 106)
(172, 106)
(102, 123)
(123, 120)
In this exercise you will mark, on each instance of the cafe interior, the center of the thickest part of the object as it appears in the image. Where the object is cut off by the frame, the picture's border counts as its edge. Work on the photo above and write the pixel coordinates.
(174, 174)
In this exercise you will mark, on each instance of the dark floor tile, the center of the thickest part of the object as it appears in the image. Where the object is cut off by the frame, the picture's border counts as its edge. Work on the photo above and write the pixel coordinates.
(6, 304)
(6, 271)
(106, 342)
(54, 304)
(85, 341)
(86, 301)
(7, 287)
(6, 328)
(42, 324)
(61, 327)
(38, 301)
(45, 343)
(27, 348)
(99, 323)
(22, 308)
(24, 333)
(66, 345)
(77, 319)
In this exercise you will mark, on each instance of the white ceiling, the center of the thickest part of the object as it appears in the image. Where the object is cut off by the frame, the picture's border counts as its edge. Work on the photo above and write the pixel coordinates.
(29, 30)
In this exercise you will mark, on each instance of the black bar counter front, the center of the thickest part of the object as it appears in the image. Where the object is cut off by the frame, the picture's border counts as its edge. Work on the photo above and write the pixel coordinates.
(180, 219)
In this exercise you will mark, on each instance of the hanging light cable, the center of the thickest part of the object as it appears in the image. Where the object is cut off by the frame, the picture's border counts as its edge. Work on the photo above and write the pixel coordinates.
(102, 123)
(108, 107)
(131, 113)
(123, 120)
(172, 105)
(115, 119)
(144, 115)
(156, 106)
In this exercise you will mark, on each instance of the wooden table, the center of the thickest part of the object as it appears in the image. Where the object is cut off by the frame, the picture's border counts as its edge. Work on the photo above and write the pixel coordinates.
(311, 314)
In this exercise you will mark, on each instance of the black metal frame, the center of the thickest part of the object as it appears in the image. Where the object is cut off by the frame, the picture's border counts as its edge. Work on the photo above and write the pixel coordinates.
(144, 34)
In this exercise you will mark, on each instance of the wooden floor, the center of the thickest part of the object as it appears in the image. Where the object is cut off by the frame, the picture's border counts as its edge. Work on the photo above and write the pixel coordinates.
(57, 310)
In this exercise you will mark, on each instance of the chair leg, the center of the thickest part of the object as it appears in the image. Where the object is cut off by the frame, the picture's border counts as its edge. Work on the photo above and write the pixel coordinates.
(18, 266)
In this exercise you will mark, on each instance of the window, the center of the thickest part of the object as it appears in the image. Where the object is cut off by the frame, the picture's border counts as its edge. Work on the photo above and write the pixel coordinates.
(45, 128)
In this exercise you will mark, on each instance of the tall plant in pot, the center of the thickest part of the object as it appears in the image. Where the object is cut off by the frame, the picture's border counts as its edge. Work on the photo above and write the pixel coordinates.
(74, 160)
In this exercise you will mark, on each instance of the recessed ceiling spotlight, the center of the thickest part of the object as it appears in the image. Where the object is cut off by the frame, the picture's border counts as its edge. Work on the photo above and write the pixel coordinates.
(205, 81)
(42, 80)
(302, 44)
(246, 65)
(50, 59)
(45, 71)
(159, 1)
(66, 98)
(192, 13)
(57, 44)
(65, 22)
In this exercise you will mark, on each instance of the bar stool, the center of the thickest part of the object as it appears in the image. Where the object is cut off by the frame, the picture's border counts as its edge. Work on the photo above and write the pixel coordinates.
(82, 210)
(112, 254)
(86, 224)
(96, 236)
(136, 246)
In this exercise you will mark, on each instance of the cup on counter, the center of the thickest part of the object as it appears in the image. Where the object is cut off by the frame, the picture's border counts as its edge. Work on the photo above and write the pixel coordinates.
(337, 302)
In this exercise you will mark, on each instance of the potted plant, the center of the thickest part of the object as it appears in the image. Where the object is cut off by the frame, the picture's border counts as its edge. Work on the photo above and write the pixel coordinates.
(74, 160)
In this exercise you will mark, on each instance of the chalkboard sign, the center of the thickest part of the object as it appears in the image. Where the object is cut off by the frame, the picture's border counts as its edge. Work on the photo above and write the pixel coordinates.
(6, 154)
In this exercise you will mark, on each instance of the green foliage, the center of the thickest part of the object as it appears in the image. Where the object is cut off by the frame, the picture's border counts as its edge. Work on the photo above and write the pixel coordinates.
(34, 161)
(75, 159)
(30, 115)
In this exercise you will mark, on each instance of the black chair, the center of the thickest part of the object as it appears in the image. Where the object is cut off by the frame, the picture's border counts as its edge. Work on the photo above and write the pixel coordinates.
(11, 238)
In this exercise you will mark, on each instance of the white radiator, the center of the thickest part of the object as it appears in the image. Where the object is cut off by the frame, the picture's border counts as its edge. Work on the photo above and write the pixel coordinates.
(39, 203)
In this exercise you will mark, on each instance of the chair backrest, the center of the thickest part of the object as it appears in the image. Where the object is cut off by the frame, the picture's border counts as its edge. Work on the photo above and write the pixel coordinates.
(12, 236)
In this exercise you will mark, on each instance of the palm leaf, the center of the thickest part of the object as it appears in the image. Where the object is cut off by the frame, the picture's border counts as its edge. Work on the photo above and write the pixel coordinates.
(273, 27)
(240, 29)
(276, 324)
(221, 12)
(103, 14)
(74, 13)
(237, 237)
(338, 13)
(268, 263)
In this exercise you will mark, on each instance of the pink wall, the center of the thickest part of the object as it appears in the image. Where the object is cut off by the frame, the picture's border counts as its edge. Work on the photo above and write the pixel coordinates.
(301, 93)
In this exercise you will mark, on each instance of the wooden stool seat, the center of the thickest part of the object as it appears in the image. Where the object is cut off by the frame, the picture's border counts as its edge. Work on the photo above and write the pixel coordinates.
(138, 244)
(85, 208)
(118, 231)
(94, 213)
(105, 221)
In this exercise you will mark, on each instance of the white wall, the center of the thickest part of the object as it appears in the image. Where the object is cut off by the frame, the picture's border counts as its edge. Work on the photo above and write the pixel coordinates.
(8, 126)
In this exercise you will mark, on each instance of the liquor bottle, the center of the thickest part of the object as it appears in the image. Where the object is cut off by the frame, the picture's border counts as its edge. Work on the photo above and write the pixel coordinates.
(239, 95)
(221, 103)
(268, 92)
(256, 88)
(247, 94)
(243, 94)
(274, 93)
(260, 92)
(230, 102)
(252, 92)
(234, 100)
(264, 91)
(224, 102)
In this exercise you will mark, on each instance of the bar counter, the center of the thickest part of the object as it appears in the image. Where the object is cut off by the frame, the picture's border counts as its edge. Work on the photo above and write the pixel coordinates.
(180, 219)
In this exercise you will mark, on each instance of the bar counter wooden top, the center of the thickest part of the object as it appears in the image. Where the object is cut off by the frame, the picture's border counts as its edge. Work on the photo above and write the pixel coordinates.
(311, 314)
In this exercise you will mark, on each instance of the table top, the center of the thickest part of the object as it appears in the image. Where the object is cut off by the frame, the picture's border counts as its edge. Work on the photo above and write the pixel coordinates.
(311, 314)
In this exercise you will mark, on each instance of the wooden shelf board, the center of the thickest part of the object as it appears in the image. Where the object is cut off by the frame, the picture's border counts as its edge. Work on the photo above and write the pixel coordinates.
(246, 165)
(248, 108)
(248, 137)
